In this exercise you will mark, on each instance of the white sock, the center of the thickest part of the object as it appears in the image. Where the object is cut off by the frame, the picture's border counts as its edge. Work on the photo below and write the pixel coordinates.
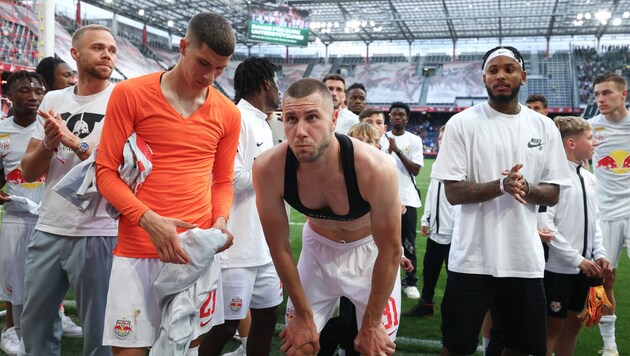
(244, 342)
(485, 341)
(193, 351)
(607, 330)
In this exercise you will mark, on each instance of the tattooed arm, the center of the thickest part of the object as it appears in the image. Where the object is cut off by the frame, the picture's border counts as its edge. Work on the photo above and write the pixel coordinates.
(514, 184)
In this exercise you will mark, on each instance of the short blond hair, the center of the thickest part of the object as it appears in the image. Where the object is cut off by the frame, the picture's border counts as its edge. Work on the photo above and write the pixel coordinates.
(92, 27)
(571, 125)
(364, 129)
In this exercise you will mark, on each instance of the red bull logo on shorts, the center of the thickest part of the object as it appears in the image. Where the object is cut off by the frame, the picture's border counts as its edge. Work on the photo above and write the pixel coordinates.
(122, 328)
(236, 304)
(555, 306)
(617, 162)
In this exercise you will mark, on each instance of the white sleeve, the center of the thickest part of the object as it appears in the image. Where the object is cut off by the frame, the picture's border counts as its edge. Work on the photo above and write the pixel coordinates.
(428, 203)
(451, 162)
(415, 154)
(559, 245)
(554, 173)
(598, 240)
(242, 175)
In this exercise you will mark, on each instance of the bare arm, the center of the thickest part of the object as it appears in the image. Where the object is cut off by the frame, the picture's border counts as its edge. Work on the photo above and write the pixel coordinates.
(464, 192)
(514, 184)
(385, 223)
(36, 160)
(543, 194)
(301, 329)
(411, 167)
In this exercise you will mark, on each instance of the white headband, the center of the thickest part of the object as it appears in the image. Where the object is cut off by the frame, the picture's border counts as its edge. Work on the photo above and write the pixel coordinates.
(502, 52)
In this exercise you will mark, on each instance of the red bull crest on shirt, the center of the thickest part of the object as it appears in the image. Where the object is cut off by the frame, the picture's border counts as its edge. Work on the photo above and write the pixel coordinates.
(617, 162)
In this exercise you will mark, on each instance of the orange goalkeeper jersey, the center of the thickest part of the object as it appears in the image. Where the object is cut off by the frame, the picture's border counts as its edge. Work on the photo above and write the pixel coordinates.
(193, 160)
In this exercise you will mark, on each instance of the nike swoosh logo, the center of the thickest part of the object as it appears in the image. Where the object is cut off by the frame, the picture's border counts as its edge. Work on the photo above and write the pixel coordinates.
(206, 323)
(530, 145)
(4, 155)
(259, 144)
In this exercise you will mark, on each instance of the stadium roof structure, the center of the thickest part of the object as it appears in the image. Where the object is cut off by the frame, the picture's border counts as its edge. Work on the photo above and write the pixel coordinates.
(410, 20)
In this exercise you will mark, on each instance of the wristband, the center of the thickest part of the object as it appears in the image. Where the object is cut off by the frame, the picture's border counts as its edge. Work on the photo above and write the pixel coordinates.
(501, 188)
(399, 152)
(528, 187)
(48, 148)
(53, 149)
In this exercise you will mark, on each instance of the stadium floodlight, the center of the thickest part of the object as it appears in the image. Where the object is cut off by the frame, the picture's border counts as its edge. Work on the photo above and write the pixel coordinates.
(141, 12)
(587, 16)
(603, 15)
(617, 21)
(578, 23)
(372, 23)
(363, 23)
(626, 15)
(580, 16)
(170, 23)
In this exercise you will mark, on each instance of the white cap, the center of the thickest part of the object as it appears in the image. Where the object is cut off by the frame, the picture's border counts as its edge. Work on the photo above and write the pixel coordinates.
(502, 52)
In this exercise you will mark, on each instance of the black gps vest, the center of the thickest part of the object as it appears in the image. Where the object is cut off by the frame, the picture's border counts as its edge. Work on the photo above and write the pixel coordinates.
(358, 206)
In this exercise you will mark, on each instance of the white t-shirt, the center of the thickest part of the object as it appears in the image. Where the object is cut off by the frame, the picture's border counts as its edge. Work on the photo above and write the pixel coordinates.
(250, 247)
(84, 117)
(611, 164)
(411, 145)
(345, 120)
(14, 140)
(498, 237)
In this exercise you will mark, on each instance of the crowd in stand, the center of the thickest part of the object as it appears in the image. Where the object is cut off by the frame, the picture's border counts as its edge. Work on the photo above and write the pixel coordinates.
(590, 63)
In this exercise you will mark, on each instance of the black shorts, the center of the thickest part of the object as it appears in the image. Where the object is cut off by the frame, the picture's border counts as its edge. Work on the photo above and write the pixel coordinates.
(520, 301)
(565, 292)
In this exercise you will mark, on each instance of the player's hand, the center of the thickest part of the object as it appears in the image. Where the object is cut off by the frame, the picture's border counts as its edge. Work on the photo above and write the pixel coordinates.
(4, 197)
(405, 263)
(163, 234)
(514, 184)
(51, 130)
(221, 224)
(590, 268)
(606, 267)
(393, 147)
(374, 341)
(299, 337)
(424, 230)
(545, 234)
(57, 131)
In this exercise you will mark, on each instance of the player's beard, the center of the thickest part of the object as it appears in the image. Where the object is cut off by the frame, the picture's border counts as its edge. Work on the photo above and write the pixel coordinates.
(503, 98)
(95, 73)
(319, 150)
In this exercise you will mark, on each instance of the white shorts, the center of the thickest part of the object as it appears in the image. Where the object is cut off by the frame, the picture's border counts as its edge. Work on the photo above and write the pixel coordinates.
(132, 315)
(13, 240)
(329, 270)
(616, 233)
(250, 287)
